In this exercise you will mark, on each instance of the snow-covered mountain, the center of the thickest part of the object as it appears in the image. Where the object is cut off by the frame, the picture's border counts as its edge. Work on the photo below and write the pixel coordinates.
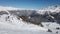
(23, 21)
(49, 14)
(10, 23)
(49, 9)
(52, 11)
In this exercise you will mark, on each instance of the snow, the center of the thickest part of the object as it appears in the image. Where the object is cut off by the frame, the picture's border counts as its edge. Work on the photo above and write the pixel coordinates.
(14, 26)
(50, 9)
(21, 24)
(9, 24)
(12, 23)
(52, 26)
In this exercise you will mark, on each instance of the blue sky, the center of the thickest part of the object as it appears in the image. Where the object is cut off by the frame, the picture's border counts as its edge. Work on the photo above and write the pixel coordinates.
(29, 4)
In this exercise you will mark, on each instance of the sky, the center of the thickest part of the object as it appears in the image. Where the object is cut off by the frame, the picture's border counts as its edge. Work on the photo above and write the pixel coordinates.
(29, 4)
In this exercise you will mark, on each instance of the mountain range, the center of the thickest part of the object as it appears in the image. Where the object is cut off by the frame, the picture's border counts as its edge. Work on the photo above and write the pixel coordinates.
(31, 21)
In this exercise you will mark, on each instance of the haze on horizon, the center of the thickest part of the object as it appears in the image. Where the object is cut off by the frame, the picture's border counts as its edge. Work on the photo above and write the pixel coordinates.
(29, 4)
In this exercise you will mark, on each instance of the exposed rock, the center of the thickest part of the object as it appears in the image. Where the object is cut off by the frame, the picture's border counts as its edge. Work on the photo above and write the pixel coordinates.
(31, 20)
(57, 28)
(49, 30)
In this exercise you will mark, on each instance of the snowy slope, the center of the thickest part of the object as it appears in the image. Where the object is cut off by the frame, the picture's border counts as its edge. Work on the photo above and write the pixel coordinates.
(10, 24)
(12, 20)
